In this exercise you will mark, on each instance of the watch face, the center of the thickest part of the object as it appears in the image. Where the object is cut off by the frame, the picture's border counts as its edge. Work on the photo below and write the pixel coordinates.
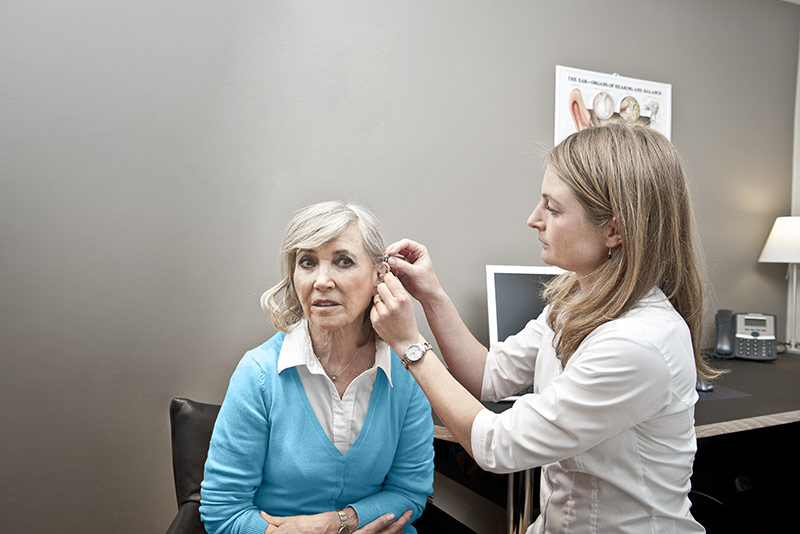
(414, 352)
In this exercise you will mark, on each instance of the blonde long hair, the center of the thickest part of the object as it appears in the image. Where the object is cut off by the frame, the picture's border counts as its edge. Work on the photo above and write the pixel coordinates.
(310, 227)
(633, 175)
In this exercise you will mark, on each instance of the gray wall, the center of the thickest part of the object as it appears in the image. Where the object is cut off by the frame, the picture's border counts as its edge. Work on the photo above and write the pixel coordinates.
(152, 151)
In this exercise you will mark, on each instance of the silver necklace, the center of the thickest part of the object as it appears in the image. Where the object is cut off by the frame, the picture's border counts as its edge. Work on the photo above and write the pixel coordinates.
(335, 375)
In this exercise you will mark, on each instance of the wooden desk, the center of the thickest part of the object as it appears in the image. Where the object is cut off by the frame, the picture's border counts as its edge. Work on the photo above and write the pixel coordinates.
(746, 469)
(751, 396)
(765, 394)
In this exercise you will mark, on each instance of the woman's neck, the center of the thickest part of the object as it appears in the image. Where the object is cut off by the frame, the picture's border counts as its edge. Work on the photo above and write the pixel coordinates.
(336, 345)
(587, 281)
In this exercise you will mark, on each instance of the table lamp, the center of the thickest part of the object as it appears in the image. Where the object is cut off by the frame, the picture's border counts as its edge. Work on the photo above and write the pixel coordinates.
(783, 246)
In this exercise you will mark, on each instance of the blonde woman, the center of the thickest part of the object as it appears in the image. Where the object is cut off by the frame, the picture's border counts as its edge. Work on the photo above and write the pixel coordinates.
(321, 430)
(613, 358)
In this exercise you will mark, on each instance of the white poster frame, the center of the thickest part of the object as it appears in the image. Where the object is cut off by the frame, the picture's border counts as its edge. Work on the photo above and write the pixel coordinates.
(586, 98)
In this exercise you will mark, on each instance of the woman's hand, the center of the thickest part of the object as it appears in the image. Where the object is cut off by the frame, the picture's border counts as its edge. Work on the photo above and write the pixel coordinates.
(324, 523)
(414, 268)
(384, 524)
(328, 522)
(393, 315)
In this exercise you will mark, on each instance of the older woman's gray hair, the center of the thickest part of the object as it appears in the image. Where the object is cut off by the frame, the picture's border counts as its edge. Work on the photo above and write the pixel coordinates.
(311, 227)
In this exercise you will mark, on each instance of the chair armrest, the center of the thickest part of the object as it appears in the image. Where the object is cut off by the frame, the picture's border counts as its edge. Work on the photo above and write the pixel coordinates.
(187, 521)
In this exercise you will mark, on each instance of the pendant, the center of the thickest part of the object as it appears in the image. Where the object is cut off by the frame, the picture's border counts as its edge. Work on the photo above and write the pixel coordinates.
(333, 377)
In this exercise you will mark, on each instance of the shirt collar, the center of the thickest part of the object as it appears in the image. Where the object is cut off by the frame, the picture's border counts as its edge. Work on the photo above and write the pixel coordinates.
(297, 350)
(654, 297)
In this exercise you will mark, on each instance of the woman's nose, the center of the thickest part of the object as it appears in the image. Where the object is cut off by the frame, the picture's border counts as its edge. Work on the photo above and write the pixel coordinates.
(534, 220)
(324, 278)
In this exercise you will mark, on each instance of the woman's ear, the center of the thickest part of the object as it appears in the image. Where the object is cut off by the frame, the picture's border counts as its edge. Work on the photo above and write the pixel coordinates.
(613, 237)
(381, 271)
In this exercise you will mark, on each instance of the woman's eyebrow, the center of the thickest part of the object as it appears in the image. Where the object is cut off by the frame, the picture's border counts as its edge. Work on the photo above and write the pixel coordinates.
(549, 198)
(337, 252)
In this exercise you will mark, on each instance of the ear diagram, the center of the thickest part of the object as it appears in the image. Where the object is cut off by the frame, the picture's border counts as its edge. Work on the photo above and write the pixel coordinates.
(580, 115)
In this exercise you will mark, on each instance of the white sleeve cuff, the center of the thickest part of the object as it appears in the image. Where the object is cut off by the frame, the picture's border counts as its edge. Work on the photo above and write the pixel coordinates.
(480, 439)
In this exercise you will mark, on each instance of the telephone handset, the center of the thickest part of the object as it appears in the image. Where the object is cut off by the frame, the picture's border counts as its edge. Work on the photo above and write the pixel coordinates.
(723, 324)
(748, 336)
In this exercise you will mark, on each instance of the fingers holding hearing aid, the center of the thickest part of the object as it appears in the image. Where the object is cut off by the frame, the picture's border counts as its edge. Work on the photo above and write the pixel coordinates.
(393, 314)
(412, 265)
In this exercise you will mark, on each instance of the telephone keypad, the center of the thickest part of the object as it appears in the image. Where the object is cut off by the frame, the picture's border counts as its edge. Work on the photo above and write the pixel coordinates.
(755, 348)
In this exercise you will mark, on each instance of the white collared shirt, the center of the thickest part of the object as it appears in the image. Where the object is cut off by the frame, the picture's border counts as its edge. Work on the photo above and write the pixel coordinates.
(341, 418)
(613, 430)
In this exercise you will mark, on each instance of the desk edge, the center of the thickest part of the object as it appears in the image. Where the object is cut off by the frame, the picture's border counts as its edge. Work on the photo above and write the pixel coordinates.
(702, 431)
(749, 423)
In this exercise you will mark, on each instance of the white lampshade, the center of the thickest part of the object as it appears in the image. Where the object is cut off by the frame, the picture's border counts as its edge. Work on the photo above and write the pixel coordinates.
(783, 243)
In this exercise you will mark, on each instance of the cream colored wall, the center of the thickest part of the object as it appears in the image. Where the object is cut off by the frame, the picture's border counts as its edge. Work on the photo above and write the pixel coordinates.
(150, 153)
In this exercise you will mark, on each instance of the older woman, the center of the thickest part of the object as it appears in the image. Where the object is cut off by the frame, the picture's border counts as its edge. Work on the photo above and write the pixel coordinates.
(321, 430)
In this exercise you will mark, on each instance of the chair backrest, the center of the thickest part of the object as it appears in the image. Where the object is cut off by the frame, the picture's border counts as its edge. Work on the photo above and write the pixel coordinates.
(192, 423)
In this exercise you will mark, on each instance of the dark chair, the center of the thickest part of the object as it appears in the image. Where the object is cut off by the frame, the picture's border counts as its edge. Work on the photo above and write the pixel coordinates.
(192, 424)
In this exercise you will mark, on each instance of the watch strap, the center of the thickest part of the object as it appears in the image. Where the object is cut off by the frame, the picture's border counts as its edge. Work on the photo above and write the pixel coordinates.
(344, 527)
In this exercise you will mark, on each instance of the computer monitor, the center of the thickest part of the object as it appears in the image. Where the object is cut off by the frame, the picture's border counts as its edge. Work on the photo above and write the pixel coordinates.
(514, 297)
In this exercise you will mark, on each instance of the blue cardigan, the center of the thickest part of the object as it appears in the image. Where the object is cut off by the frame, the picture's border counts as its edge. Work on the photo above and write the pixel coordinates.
(268, 451)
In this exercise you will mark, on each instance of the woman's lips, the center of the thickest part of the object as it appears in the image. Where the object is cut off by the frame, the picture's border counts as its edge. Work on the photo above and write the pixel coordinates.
(325, 303)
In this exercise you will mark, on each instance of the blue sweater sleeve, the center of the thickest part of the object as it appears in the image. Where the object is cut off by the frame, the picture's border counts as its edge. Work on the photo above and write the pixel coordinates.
(236, 456)
(410, 479)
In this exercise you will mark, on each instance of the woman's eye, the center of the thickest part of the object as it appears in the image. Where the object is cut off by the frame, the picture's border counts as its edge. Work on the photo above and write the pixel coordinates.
(551, 210)
(344, 261)
(305, 262)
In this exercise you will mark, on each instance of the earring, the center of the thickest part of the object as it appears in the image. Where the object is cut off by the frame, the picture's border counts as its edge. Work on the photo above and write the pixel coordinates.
(609, 254)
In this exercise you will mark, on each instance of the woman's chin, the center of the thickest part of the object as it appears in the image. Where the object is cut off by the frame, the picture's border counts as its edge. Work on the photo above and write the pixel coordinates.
(330, 321)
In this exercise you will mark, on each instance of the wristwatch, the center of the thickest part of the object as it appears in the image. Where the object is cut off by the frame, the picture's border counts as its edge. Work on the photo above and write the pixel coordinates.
(345, 527)
(414, 353)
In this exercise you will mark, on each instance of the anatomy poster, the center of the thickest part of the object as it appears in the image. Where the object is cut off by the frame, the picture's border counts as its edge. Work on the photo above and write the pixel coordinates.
(585, 99)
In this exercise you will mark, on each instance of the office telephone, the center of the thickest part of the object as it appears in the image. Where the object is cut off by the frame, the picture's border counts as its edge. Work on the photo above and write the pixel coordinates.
(747, 336)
